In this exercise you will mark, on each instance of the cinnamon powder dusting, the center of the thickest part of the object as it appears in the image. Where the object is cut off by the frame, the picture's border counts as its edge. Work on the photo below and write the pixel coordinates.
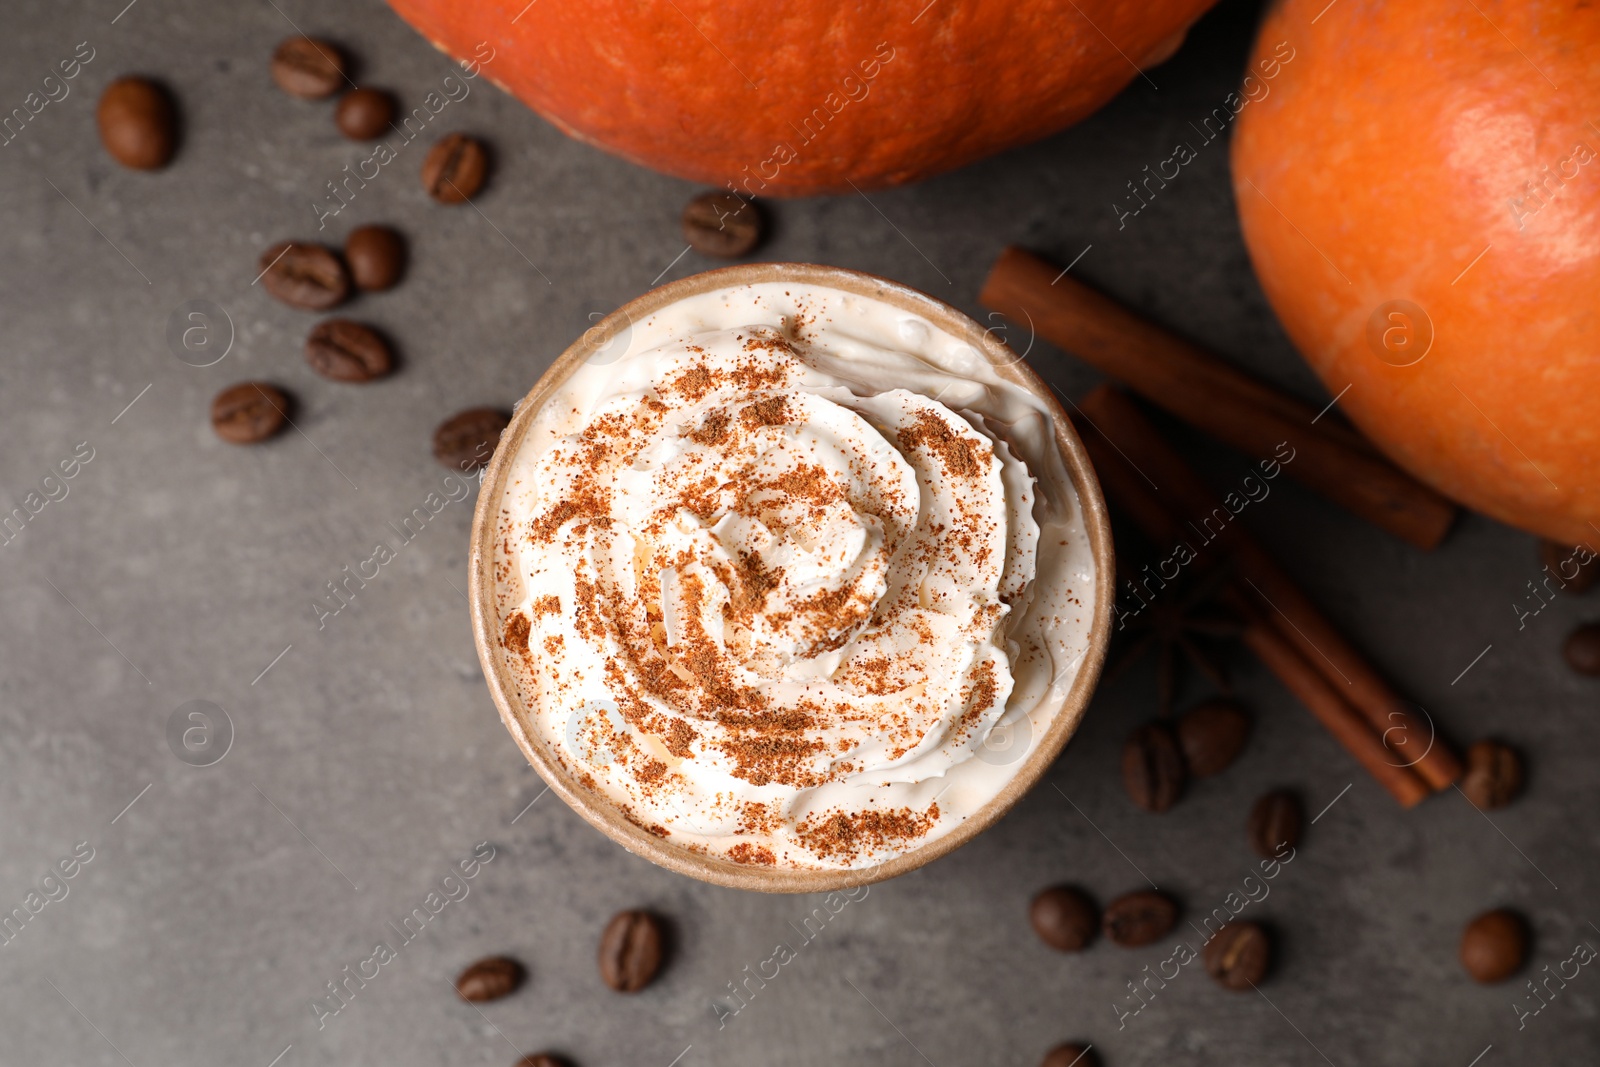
(712, 431)
(754, 855)
(959, 456)
(848, 836)
(517, 629)
(687, 640)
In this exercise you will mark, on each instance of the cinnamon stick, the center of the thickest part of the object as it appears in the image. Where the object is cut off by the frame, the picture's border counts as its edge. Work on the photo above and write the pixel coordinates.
(1141, 503)
(1214, 397)
(1348, 726)
(1351, 731)
(1279, 601)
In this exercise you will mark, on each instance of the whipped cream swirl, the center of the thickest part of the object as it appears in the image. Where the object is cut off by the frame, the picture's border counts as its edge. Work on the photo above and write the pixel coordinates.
(768, 608)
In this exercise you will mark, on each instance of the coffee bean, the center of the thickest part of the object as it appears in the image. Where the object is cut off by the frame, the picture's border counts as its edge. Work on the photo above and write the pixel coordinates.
(1563, 561)
(376, 255)
(364, 114)
(1238, 955)
(1070, 1056)
(347, 351)
(249, 412)
(454, 168)
(630, 951)
(1152, 767)
(1494, 945)
(1139, 918)
(305, 276)
(466, 441)
(1275, 823)
(722, 224)
(490, 979)
(1063, 918)
(542, 1059)
(308, 68)
(1582, 650)
(137, 124)
(1494, 775)
(1211, 735)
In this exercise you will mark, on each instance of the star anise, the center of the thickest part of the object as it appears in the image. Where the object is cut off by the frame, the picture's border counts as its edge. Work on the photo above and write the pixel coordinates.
(1183, 618)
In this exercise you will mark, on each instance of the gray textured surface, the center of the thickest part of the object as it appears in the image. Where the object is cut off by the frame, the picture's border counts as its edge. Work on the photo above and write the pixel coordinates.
(177, 568)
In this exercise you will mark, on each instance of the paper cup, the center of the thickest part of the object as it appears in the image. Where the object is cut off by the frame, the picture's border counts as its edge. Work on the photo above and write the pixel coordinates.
(601, 340)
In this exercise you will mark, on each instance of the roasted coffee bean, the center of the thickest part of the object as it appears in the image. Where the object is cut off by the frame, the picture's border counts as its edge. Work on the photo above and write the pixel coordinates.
(1070, 1056)
(722, 224)
(347, 351)
(249, 412)
(1139, 918)
(466, 441)
(137, 124)
(1152, 767)
(375, 255)
(308, 68)
(490, 979)
(1494, 775)
(1063, 918)
(1582, 650)
(1577, 567)
(1238, 955)
(1494, 945)
(1275, 823)
(1211, 735)
(305, 276)
(454, 168)
(364, 114)
(542, 1059)
(630, 951)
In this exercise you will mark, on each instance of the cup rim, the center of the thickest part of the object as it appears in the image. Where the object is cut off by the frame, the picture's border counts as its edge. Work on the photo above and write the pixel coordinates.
(604, 815)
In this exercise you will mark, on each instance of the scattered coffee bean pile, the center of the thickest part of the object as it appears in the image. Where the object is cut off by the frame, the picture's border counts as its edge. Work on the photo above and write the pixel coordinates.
(1158, 760)
(138, 127)
(313, 277)
(632, 950)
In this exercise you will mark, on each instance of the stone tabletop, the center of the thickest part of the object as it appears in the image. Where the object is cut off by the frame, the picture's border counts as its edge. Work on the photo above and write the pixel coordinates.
(347, 763)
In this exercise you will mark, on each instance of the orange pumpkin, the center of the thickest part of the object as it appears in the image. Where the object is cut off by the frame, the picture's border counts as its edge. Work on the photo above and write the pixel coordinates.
(789, 97)
(1420, 194)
